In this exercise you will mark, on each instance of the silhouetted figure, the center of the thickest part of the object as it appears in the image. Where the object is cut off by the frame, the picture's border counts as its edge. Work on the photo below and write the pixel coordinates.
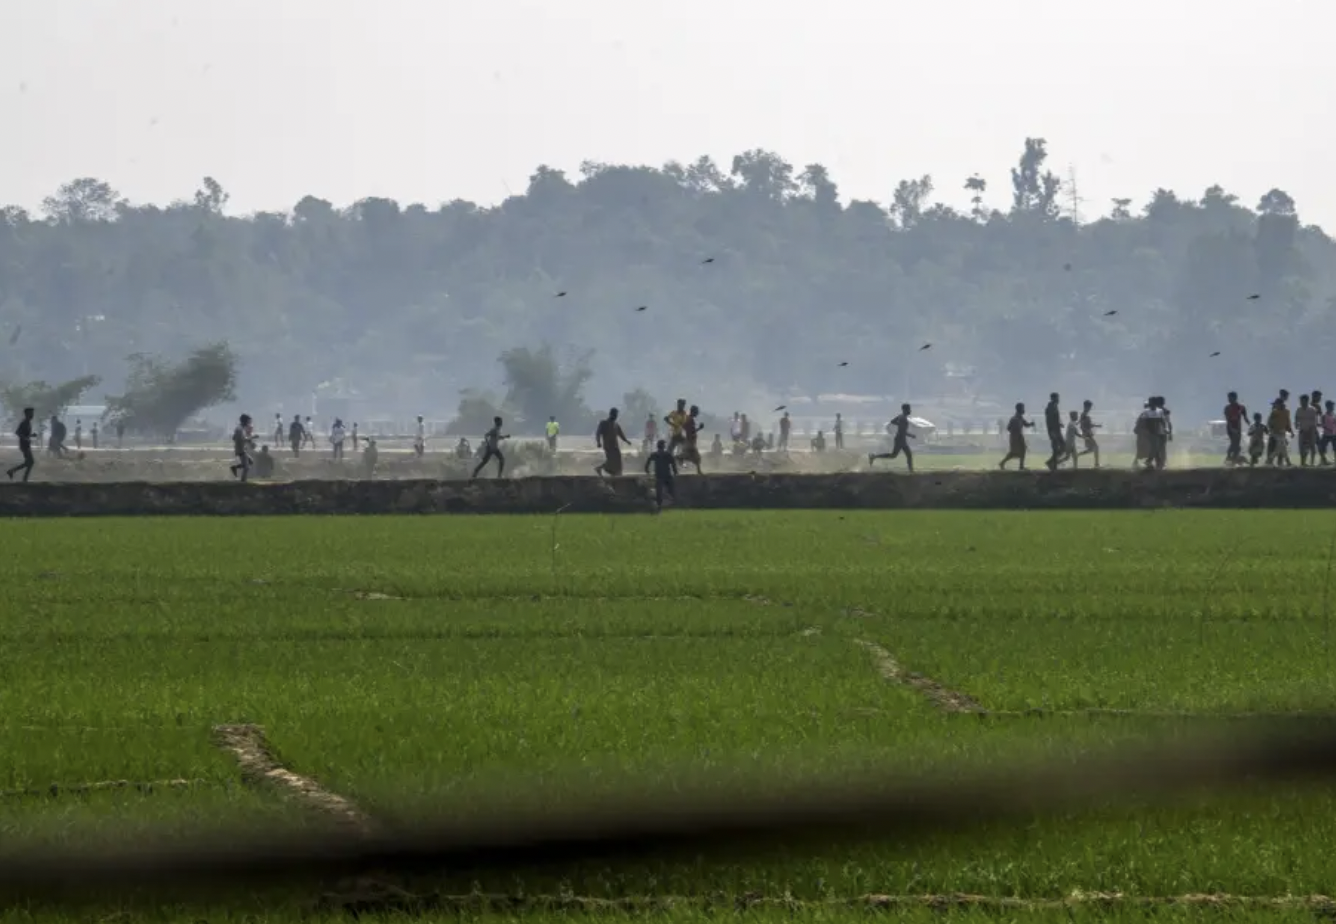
(78, 433)
(264, 463)
(356, 437)
(676, 420)
(93, 433)
(491, 449)
(1088, 427)
(1236, 417)
(900, 436)
(609, 437)
(1017, 448)
(24, 434)
(553, 430)
(463, 450)
(819, 442)
(370, 456)
(691, 428)
(295, 432)
(839, 432)
(56, 444)
(665, 471)
(1306, 422)
(242, 442)
(1053, 424)
(785, 425)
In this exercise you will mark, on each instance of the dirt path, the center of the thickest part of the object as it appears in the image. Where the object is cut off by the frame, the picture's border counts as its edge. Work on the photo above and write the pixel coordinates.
(249, 746)
(943, 697)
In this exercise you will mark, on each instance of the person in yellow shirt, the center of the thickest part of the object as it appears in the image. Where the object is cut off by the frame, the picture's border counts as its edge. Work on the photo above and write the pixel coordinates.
(553, 428)
(677, 421)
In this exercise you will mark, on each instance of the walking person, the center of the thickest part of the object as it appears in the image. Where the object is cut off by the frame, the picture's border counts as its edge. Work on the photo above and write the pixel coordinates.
(243, 441)
(336, 437)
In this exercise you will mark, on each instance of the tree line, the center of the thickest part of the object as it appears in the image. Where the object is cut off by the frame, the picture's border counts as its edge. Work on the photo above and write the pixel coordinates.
(452, 309)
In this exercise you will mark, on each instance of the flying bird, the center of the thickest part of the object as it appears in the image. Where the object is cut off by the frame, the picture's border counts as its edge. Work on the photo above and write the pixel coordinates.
(560, 295)
(1253, 298)
(844, 364)
(707, 260)
(1216, 353)
(642, 307)
(1111, 313)
(782, 407)
(926, 346)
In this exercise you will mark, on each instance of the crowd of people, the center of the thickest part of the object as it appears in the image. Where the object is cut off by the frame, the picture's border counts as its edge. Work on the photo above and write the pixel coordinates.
(1071, 437)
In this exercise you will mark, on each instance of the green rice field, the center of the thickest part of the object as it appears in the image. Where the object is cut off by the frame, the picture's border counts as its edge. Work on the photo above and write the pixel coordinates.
(397, 661)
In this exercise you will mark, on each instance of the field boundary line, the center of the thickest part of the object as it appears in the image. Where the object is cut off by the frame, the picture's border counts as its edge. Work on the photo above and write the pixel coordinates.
(58, 789)
(1168, 715)
(874, 902)
(941, 696)
(248, 744)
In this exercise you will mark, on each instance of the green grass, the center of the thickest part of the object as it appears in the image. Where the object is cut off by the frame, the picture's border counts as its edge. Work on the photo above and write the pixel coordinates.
(651, 649)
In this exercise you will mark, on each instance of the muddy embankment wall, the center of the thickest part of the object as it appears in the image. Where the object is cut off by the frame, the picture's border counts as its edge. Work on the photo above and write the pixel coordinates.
(1079, 490)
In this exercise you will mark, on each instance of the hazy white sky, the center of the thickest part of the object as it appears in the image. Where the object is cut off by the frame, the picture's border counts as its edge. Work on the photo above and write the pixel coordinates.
(429, 100)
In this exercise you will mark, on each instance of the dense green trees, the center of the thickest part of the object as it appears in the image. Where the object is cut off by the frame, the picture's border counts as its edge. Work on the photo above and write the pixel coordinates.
(412, 304)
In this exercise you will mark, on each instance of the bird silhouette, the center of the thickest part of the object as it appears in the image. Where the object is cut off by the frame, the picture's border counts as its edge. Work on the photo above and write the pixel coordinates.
(560, 295)
(926, 346)
(844, 364)
(782, 407)
(1109, 314)
(1216, 353)
(707, 260)
(642, 307)
(1253, 298)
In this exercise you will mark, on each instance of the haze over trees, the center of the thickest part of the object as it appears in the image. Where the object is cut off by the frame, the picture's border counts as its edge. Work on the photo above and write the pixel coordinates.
(416, 306)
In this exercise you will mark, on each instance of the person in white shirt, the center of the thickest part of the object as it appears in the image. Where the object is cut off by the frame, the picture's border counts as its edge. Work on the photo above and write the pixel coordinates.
(336, 434)
(420, 442)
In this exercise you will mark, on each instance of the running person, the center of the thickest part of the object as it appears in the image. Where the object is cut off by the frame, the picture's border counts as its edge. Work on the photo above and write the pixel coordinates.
(491, 449)
(899, 428)
(607, 438)
(1016, 448)
(691, 428)
(665, 471)
(1088, 428)
(676, 420)
(24, 433)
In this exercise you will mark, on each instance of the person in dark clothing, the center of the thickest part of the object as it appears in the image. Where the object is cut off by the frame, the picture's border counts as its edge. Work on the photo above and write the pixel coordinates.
(56, 444)
(1236, 415)
(296, 433)
(1053, 424)
(24, 433)
(607, 438)
(899, 429)
(491, 449)
(1016, 448)
(242, 443)
(665, 473)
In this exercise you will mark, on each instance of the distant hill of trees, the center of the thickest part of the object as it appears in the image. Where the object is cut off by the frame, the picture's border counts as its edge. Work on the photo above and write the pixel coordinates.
(412, 305)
